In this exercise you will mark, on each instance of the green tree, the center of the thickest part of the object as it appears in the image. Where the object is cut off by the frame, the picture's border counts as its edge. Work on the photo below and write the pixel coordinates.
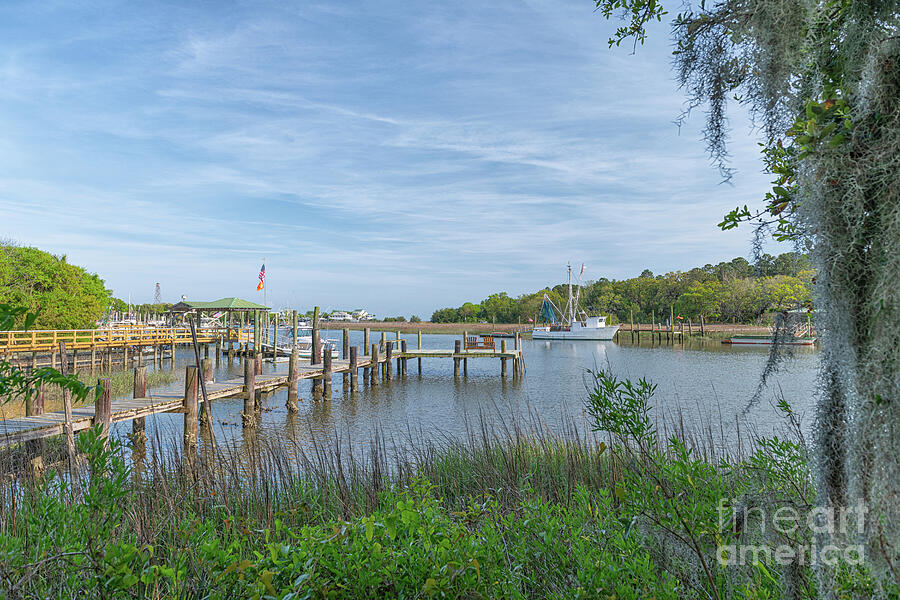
(63, 296)
(822, 82)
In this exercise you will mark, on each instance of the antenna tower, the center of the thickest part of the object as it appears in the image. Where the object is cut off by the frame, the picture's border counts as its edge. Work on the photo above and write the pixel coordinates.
(157, 295)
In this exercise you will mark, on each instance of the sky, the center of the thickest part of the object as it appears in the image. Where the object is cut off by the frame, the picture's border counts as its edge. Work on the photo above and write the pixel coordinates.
(393, 156)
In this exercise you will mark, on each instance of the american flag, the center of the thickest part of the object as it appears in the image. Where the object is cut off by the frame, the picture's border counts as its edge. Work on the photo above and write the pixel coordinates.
(262, 278)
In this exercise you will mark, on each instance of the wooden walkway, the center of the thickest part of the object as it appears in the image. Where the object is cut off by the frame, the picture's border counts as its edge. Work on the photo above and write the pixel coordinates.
(23, 429)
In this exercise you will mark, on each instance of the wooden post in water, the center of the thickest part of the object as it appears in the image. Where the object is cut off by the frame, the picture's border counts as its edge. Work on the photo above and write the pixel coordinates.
(138, 426)
(465, 361)
(248, 416)
(207, 369)
(103, 409)
(374, 358)
(503, 358)
(399, 360)
(382, 348)
(419, 372)
(404, 360)
(34, 449)
(275, 338)
(191, 389)
(353, 368)
(366, 353)
(293, 379)
(316, 356)
(345, 354)
(702, 327)
(258, 362)
(456, 351)
(326, 374)
(67, 409)
(388, 365)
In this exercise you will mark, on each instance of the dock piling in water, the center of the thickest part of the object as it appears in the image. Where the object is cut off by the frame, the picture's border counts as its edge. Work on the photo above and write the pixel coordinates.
(353, 368)
(248, 417)
(191, 395)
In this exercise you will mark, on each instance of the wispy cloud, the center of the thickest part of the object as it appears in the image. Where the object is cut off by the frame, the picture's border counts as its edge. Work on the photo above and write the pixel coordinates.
(400, 156)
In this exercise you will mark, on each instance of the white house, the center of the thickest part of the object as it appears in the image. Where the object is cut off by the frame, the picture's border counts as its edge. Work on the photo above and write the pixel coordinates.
(340, 315)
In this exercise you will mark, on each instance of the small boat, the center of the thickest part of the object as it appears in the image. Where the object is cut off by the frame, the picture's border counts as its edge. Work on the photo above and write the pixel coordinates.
(573, 323)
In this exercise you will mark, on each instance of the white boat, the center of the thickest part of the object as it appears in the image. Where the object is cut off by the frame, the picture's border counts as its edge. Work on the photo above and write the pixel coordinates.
(304, 344)
(573, 323)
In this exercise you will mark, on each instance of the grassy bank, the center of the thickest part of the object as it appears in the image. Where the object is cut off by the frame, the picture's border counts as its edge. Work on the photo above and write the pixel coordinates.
(512, 512)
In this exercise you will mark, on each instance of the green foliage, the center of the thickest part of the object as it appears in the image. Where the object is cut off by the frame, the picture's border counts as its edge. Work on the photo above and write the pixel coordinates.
(62, 296)
(19, 385)
(734, 289)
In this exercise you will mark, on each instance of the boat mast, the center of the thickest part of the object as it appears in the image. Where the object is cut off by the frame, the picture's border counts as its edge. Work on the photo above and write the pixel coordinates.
(570, 309)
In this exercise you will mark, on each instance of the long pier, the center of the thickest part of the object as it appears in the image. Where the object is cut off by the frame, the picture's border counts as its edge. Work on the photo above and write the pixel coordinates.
(377, 364)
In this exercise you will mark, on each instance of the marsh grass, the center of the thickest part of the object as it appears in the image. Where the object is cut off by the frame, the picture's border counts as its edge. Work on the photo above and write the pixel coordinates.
(510, 509)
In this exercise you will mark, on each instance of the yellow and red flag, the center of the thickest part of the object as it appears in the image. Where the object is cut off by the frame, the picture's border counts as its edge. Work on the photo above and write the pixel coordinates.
(262, 278)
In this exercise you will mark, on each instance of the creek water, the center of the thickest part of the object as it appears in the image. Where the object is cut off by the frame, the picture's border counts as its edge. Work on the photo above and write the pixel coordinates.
(707, 386)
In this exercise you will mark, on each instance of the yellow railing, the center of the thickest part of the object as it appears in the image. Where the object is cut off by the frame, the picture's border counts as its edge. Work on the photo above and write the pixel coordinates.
(77, 339)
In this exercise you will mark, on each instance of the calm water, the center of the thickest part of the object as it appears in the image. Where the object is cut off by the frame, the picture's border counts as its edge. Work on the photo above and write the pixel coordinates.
(704, 384)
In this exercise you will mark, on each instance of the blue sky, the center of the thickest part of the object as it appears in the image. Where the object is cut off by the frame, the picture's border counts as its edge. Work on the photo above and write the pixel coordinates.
(397, 156)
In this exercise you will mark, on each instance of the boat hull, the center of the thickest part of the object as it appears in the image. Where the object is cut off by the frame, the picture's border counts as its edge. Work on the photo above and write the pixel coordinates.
(582, 333)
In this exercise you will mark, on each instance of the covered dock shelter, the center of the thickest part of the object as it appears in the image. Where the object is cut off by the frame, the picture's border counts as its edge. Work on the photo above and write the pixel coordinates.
(223, 307)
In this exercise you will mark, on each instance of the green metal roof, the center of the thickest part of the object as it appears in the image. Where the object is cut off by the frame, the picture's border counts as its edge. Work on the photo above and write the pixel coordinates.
(221, 304)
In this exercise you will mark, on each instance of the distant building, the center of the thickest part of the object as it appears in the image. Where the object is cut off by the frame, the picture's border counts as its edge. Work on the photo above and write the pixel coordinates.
(361, 315)
(340, 315)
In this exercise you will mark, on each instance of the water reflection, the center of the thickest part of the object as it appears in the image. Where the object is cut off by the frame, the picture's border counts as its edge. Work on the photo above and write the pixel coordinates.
(699, 381)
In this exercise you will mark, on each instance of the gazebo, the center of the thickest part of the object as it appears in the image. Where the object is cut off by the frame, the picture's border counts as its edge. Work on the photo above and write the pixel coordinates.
(226, 307)
(223, 305)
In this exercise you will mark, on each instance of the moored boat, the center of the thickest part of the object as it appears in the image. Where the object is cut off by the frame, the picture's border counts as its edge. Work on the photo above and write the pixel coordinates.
(573, 323)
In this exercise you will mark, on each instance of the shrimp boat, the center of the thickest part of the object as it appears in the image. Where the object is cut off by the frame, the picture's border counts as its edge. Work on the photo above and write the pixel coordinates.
(573, 323)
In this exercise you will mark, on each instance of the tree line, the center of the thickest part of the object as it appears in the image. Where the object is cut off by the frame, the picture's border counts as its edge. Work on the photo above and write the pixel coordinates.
(62, 295)
(735, 290)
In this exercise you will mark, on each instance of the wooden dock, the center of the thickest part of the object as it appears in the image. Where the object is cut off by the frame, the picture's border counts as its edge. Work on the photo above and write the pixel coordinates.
(377, 363)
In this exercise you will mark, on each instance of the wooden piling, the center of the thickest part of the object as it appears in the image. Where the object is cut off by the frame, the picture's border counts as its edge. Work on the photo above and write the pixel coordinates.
(207, 369)
(138, 426)
(374, 375)
(353, 368)
(345, 354)
(503, 358)
(403, 361)
(248, 416)
(293, 379)
(366, 333)
(103, 408)
(316, 356)
(388, 365)
(702, 326)
(456, 350)
(419, 335)
(326, 374)
(190, 407)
